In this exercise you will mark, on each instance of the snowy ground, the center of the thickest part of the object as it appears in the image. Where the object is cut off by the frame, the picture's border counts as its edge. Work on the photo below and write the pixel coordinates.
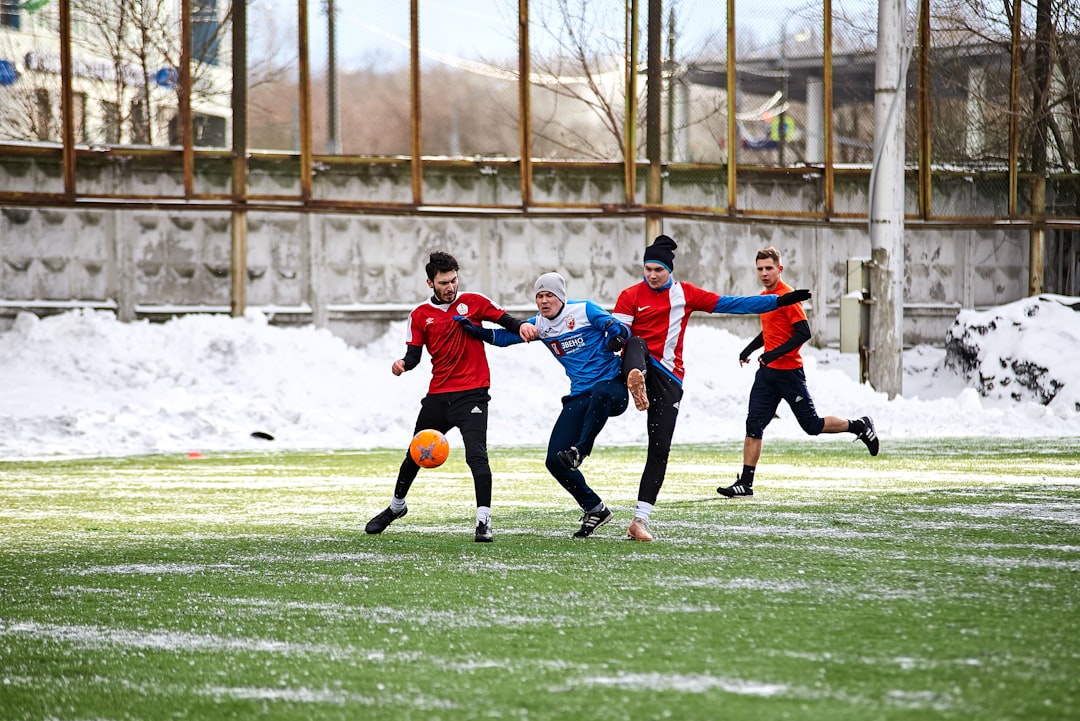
(86, 384)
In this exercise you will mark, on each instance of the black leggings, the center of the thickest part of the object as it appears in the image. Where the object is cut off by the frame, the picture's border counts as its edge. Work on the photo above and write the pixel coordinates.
(665, 392)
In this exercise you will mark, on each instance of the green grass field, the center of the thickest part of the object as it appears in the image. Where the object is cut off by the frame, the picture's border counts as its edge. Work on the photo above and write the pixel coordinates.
(940, 580)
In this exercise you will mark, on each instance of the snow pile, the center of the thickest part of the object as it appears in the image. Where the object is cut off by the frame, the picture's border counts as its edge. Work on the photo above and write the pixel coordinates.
(82, 383)
(1023, 351)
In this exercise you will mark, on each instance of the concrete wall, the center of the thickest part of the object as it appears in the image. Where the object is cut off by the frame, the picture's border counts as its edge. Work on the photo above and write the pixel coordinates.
(354, 273)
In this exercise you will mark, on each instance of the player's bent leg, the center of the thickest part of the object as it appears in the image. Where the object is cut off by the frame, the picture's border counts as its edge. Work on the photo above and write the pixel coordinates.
(604, 400)
(635, 364)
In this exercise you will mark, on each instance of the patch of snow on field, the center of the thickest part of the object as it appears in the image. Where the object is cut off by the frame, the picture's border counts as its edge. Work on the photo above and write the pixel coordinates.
(686, 683)
(98, 637)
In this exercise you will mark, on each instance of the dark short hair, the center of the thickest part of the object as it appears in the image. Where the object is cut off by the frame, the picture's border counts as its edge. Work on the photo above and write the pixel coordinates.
(769, 252)
(440, 262)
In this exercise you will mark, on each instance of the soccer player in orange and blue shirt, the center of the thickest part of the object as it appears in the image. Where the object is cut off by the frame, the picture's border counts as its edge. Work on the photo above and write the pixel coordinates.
(780, 377)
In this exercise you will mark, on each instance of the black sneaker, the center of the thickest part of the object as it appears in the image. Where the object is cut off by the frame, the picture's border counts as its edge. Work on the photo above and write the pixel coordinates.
(868, 435)
(379, 523)
(738, 488)
(483, 532)
(571, 457)
(591, 521)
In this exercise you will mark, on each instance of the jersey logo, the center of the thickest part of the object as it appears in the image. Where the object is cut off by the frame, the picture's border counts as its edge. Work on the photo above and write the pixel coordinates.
(570, 323)
(462, 309)
(429, 321)
(641, 308)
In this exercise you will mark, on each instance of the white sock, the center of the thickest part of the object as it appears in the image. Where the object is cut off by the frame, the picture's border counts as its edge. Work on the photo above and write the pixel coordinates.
(642, 510)
(396, 504)
(483, 514)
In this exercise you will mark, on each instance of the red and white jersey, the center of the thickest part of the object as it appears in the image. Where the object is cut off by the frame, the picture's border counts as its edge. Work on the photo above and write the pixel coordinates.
(659, 317)
(458, 362)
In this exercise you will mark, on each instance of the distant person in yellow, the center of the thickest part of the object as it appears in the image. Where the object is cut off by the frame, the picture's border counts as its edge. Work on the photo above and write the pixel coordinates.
(780, 377)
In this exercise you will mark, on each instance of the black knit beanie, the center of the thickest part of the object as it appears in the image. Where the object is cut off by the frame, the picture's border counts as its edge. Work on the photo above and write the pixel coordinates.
(662, 251)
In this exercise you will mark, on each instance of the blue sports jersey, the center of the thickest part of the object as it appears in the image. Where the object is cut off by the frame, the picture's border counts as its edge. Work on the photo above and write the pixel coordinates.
(576, 337)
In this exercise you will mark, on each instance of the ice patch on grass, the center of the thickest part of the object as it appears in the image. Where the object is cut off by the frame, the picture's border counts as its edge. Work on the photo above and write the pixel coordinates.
(1012, 564)
(150, 569)
(291, 695)
(740, 584)
(99, 637)
(686, 683)
(322, 696)
(1057, 511)
(918, 700)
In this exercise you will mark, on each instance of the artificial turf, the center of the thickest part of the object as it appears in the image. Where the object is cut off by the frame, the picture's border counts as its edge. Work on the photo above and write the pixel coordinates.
(937, 581)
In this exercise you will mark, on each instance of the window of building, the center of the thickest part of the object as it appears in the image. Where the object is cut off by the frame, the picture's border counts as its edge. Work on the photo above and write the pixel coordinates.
(140, 126)
(111, 117)
(42, 114)
(9, 14)
(204, 31)
(79, 117)
(209, 130)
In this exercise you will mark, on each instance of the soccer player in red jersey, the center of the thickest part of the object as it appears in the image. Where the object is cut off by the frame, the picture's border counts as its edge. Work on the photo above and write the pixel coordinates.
(780, 377)
(657, 310)
(458, 393)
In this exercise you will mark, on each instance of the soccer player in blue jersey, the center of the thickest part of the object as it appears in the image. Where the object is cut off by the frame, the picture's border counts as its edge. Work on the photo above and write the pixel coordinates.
(583, 337)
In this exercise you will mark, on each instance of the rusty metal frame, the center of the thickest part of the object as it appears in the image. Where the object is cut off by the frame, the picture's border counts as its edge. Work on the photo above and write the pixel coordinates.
(67, 101)
(926, 178)
(239, 198)
(238, 245)
(303, 81)
(630, 130)
(414, 96)
(524, 104)
(732, 130)
(1014, 111)
(827, 111)
(187, 127)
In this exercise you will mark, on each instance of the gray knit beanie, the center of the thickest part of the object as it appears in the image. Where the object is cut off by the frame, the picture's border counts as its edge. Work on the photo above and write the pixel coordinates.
(552, 283)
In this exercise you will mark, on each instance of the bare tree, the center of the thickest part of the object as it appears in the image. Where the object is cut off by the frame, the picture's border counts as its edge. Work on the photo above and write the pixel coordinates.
(580, 80)
(1049, 57)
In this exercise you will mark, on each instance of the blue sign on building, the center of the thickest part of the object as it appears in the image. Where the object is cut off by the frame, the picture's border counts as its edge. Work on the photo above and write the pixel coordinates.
(8, 72)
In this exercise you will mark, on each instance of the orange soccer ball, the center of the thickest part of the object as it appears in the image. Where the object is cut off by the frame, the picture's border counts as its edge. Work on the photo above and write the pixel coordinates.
(429, 448)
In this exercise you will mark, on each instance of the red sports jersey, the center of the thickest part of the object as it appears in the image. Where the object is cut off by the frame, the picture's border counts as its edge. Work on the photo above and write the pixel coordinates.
(776, 328)
(458, 362)
(659, 317)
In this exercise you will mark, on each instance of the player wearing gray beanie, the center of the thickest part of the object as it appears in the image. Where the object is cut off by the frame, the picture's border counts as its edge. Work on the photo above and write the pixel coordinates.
(585, 339)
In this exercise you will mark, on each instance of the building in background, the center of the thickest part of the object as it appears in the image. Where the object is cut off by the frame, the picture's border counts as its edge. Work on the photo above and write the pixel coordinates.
(124, 55)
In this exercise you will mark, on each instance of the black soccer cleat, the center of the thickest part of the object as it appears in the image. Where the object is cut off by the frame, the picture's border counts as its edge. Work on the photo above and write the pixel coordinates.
(483, 532)
(571, 457)
(591, 521)
(736, 489)
(868, 435)
(379, 523)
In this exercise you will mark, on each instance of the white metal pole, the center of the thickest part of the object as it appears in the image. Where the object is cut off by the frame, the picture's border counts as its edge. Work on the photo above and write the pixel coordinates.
(886, 369)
